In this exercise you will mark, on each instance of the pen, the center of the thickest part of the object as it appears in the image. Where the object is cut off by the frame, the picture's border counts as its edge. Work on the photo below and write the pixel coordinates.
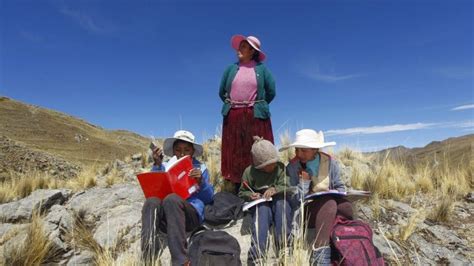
(247, 185)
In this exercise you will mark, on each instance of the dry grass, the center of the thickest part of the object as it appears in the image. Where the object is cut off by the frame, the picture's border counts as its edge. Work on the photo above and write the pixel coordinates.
(288, 154)
(60, 134)
(442, 210)
(82, 238)
(19, 186)
(36, 249)
(407, 229)
(211, 157)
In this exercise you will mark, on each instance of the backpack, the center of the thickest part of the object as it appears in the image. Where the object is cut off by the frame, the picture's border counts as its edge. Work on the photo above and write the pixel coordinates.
(209, 247)
(351, 243)
(225, 208)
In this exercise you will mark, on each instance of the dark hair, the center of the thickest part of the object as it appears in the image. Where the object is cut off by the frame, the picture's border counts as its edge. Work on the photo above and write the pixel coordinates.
(256, 56)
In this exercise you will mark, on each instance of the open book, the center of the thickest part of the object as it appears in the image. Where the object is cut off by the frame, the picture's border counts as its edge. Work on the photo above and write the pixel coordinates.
(250, 204)
(175, 179)
(350, 195)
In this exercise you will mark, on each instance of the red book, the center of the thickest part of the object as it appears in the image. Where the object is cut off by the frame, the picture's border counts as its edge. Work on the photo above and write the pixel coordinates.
(175, 179)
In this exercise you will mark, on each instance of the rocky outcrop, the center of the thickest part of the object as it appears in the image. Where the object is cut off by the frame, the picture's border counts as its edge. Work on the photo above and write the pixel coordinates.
(18, 158)
(112, 216)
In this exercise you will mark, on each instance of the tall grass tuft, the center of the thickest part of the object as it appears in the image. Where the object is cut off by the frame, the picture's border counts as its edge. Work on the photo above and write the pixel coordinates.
(288, 154)
(21, 185)
(36, 249)
(87, 178)
(442, 209)
(407, 229)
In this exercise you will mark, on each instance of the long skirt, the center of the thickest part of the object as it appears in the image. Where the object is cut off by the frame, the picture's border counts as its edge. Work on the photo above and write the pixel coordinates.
(238, 130)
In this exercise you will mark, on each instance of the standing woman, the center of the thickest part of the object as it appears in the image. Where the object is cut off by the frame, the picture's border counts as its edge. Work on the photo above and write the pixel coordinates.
(247, 87)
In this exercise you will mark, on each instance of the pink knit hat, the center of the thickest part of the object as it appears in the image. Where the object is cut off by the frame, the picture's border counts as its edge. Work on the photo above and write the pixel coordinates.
(253, 41)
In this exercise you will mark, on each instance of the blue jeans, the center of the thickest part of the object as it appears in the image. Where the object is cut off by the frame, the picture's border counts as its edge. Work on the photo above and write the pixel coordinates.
(276, 213)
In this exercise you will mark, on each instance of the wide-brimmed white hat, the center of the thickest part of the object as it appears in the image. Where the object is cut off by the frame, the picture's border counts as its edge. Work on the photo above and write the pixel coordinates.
(308, 138)
(252, 40)
(184, 136)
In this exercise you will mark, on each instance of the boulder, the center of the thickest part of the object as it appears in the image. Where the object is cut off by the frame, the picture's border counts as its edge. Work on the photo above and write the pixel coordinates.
(41, 200)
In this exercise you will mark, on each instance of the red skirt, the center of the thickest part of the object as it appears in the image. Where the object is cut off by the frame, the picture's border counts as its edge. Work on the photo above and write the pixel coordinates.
(238, 130)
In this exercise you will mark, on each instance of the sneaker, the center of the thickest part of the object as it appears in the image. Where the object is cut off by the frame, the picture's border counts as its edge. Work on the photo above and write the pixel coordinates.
(321, 256)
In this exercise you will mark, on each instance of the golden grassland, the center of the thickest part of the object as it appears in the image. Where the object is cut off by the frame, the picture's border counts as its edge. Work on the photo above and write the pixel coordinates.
(66, 136)
(440, 183)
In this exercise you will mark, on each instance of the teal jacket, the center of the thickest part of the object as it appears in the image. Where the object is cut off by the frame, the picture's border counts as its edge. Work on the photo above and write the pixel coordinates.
(265, 90)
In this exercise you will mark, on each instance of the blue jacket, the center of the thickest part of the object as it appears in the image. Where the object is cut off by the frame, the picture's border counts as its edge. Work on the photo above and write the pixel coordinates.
(302, 188)
(205, 193)
(265, 89)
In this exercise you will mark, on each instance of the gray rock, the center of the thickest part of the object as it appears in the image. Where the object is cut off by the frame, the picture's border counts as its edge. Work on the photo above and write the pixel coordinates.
(444, 235)
(400, 207)
(137, 157)
(389, 249)
(12, 236)
(437, 254)
(56, 224)
(83, 257)
(42, 200)
(96, 203)
(120, 224)
(470, 197)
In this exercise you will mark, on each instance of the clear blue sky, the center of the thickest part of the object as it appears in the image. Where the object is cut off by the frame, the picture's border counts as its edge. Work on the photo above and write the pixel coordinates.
(371, 74)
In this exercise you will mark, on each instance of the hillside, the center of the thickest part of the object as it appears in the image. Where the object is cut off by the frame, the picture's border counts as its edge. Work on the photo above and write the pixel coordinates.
(457, 150)
(71, 138)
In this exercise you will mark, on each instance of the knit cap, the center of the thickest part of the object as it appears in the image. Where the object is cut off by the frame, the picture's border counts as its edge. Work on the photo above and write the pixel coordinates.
(263, 153)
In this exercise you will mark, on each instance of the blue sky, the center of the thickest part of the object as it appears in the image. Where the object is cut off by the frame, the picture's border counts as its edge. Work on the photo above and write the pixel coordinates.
(370, 74)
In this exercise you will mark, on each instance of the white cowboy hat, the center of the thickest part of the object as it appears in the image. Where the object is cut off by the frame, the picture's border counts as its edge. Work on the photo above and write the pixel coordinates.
(308, 138)
(252, 40)
(184, 136)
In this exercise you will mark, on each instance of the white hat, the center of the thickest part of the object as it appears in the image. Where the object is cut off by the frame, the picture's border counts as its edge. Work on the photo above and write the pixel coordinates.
(184, 136)
(308, 138)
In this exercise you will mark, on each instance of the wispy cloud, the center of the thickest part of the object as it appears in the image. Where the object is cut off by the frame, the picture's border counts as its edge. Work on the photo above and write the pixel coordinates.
(463, 107)
(85, 21)
(314, 72)
(380, 129)
(455, 72)
(398, 127)
(330, 78)
(465, 124)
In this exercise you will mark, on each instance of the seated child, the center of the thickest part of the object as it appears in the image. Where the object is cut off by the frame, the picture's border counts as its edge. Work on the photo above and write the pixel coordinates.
(173, 215)
(266, 178)
(312, 171)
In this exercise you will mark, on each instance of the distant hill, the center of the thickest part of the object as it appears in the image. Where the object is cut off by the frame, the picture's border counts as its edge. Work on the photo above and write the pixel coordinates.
(456, 150)
(59, 134)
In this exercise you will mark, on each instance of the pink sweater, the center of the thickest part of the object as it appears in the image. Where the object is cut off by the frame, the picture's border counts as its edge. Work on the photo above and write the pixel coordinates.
(244, 87)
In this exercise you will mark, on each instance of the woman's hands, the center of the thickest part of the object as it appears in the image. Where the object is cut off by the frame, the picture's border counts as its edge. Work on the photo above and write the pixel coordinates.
(196, 174)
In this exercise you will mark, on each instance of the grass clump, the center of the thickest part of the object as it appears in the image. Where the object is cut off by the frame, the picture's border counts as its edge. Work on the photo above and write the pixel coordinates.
(36, 249)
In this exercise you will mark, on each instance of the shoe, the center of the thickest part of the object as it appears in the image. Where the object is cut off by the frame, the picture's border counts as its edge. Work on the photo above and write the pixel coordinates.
(321, 256)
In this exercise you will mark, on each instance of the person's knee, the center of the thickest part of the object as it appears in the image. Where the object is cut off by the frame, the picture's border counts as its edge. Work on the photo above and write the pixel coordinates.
(330, 207)
(171, 200)
(151, 203)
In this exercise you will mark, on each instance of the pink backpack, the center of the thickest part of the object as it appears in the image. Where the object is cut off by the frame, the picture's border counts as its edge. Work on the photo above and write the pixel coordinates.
(351, 243)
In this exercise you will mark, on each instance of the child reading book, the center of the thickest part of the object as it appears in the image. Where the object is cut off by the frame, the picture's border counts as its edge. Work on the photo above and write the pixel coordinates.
(266, 178)
(174, 215)
(313, 171)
